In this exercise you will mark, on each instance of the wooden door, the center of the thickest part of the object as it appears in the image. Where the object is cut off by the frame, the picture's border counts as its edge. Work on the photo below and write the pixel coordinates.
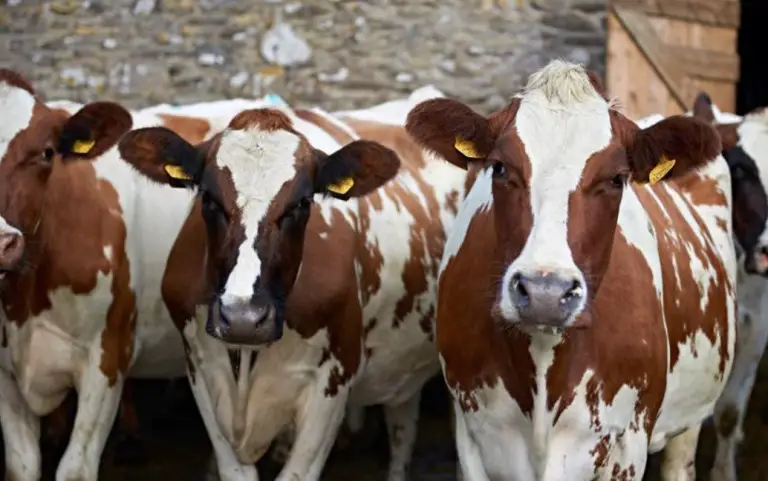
(662, 53)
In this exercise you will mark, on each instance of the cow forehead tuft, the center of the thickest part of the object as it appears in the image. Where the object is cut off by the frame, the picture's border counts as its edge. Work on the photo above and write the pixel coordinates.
(268, 119)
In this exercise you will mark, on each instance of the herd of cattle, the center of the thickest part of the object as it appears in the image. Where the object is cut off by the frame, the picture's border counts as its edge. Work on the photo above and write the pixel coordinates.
(592, 287)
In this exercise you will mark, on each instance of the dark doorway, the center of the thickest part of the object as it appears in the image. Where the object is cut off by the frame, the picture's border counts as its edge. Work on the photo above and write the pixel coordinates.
(752, 88)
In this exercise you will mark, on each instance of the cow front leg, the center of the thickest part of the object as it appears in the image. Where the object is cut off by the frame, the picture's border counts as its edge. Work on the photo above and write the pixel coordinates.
(402, 424)
(679, 462)
(229, 468)
(98, 398)
(21, 433)
(732, 404)
(470, 462)
(318, 422)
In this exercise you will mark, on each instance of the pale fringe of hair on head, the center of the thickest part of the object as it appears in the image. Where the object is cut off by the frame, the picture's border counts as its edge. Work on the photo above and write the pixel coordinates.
(562, 82)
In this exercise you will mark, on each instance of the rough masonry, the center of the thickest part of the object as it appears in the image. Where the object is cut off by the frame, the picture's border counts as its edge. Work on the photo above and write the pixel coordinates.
(334, 53)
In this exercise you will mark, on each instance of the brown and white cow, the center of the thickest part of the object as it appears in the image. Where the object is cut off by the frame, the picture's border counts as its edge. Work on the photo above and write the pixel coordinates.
(297, 285)
(85, 305)
(583, 319)
(745, 148)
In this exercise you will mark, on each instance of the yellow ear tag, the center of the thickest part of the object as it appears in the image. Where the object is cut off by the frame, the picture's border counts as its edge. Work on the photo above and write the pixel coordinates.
(342, 187)
(176, 172)
(467, 148)
(82, 146)
(661, 169)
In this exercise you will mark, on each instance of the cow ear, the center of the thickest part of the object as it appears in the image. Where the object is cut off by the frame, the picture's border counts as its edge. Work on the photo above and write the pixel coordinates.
(356, 169)
(93, 130)
(163, 156)
(702, 108)
(671, 148)
(451, 130)
(15, 79)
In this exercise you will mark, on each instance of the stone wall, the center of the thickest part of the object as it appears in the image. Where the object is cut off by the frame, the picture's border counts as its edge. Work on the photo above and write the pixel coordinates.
(333, 53)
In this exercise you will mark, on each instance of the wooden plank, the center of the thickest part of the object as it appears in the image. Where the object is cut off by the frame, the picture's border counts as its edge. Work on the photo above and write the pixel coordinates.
(710, 12)
(653, 49)
(630, 77)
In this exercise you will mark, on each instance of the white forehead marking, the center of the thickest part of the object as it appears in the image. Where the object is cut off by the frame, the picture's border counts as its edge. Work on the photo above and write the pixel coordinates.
(17, 106)
(561, 122)
(260, 163)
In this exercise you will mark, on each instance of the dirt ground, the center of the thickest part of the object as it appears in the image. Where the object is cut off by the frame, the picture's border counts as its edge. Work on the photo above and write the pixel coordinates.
(177, 447)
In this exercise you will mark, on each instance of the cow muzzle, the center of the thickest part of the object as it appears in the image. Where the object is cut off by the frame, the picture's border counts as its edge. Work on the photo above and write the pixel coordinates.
(243, 323)
(11, 252)
(756, 261)
(545, 300)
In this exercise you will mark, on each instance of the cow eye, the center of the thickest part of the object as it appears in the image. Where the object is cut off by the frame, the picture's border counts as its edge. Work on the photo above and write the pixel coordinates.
(618, 181)
(499, 170)
(48, 154)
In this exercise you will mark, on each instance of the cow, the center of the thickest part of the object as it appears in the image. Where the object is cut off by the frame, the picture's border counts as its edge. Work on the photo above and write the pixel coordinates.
(586, 296)
(745, 148)
(84, 307)
(11, 249)
(303, 278)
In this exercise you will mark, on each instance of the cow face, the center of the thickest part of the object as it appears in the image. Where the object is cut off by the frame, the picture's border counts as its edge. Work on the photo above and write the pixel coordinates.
(745, 148)
(33, 140)
(256, 182)
(557, 161)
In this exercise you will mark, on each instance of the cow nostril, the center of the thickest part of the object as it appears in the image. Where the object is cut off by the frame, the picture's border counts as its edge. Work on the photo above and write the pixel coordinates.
(574, 292)
(519, 290)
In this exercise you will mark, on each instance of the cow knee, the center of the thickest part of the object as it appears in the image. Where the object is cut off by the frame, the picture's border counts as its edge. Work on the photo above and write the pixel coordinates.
(727, 419)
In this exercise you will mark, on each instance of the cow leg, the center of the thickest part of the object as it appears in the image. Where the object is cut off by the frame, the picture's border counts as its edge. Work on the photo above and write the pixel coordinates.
(355, 418)
(230, 469)
(21, 433)
(732, 404)
(129, 448)
(98, 400)
(283, 444)
(679, 463)
(402, 424)
(318, 423)
(470, 463)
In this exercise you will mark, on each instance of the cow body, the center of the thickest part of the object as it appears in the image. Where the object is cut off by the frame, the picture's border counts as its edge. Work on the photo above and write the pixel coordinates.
(635, 353)
(86, 306)
(745, 147)
(358, 318)
(589, 401)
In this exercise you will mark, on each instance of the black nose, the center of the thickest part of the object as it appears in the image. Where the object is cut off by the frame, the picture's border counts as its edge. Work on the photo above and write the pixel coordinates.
(547, 300)
(244, 322)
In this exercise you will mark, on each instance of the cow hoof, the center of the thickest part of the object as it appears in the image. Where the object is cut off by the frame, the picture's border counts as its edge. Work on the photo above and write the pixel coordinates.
(129, 451)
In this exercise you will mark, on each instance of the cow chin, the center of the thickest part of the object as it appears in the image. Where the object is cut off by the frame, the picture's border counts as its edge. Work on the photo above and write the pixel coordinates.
(244, 324)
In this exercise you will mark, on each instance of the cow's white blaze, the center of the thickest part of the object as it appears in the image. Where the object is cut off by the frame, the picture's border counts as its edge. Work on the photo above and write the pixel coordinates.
(561, 122)
(260, 163)
(17, 106)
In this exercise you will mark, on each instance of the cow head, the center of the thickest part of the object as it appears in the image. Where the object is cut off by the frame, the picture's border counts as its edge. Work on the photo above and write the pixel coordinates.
(256, 182)
(33, 140)
(557, 161)
(745, 148)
